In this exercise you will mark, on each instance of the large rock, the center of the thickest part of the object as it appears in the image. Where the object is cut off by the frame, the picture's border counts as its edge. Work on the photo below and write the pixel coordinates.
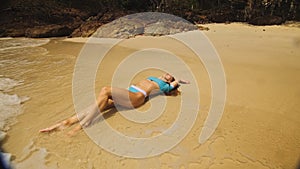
(120, 28)
(148, 23)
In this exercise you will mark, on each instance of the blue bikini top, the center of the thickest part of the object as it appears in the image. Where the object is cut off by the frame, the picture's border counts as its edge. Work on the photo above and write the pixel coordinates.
(163, 86)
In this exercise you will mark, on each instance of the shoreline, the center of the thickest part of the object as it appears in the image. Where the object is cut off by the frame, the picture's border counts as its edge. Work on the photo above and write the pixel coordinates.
(201, 27)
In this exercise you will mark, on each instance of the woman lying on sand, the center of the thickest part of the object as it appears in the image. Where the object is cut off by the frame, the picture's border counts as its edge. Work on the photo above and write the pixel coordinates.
(134, 97)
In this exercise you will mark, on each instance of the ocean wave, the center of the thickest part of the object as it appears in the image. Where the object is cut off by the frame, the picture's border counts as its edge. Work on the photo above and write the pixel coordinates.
(6, 84)
(10, 107)
(10, 104)
(6, 38)
(16, 43)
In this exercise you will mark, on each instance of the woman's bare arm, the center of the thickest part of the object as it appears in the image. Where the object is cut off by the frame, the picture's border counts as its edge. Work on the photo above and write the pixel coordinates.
(180, 81)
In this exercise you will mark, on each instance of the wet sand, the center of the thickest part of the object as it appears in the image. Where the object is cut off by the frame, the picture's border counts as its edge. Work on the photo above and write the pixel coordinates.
(259, 128)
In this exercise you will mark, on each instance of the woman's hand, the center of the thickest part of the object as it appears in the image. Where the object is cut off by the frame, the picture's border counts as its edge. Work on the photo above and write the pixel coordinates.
(183, 81)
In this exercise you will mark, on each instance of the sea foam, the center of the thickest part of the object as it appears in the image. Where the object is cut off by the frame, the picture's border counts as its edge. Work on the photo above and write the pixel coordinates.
(17, 43)
(10, 104)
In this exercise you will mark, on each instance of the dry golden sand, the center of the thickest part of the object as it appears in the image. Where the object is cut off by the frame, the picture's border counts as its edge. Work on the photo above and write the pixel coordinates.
(259, 128)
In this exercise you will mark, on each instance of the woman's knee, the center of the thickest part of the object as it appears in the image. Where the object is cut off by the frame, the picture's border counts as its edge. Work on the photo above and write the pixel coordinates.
(105, 91)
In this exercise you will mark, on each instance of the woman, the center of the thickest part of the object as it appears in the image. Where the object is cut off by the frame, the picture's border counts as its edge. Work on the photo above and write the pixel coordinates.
(134, 97)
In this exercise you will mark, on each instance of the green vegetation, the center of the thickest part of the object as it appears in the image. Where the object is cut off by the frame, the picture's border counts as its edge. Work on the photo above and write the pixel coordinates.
(232, 10)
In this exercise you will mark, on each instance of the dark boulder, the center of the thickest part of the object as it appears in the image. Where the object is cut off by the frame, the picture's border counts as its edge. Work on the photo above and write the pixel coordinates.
(48, 31)
(266, 20)
(90, 25)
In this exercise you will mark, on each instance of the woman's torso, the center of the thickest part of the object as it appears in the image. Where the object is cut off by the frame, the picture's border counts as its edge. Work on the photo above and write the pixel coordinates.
(147, 85)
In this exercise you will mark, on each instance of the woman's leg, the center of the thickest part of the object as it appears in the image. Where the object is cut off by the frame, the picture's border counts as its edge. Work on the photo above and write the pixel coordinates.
(69, 121)
(75, 119)
(109, 96)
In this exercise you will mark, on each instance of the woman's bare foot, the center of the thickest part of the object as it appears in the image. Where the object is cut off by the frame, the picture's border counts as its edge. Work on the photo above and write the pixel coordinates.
(60, 126)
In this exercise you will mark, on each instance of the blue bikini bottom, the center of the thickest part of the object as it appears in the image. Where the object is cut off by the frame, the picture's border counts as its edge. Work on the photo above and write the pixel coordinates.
(136, 89)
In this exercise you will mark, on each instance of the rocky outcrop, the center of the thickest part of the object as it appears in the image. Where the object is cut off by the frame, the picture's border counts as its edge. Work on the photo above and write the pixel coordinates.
(149, 24)
(40, 19)
(54, 18)
(90, 26)
(48, 31)
(267, 20)
(86, 29)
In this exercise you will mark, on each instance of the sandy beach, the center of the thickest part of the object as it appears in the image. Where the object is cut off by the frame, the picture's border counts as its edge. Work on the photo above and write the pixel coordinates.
(259, 127)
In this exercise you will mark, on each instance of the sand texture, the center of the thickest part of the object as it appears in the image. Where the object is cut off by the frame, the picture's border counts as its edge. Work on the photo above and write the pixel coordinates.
(259, 128)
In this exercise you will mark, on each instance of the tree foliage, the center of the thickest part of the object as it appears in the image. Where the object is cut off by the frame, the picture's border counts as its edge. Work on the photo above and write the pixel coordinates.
(287, 9)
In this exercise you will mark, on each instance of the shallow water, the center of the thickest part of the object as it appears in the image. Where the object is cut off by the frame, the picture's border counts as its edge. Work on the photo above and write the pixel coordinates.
(12, 63)
(29, 78)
